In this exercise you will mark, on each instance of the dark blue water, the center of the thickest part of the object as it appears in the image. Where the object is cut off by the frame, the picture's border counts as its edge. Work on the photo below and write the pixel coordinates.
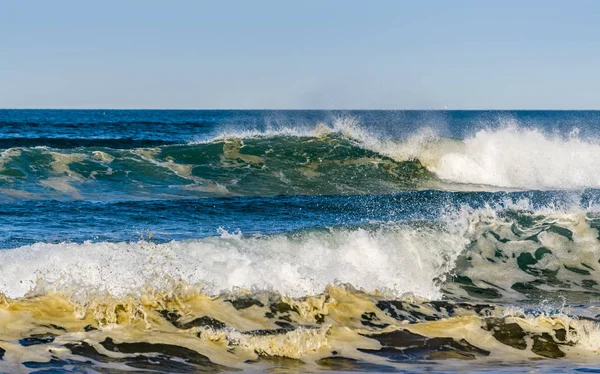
(29, 222)
(182, 126)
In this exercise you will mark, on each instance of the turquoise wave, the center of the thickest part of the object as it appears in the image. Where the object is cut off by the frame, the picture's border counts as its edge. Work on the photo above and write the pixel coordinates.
(262, 165)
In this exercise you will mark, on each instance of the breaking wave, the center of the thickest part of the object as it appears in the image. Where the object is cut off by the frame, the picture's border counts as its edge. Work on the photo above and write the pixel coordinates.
(506, 252)
(340, 159)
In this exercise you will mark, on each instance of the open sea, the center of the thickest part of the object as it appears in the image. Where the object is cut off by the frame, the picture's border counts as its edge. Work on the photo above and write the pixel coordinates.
(299, 241)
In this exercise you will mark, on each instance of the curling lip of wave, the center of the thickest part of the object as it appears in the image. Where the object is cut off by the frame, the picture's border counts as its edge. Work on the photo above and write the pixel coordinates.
(513, 157)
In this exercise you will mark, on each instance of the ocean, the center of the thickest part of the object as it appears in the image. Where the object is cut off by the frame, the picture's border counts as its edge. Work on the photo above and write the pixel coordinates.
(299, 241)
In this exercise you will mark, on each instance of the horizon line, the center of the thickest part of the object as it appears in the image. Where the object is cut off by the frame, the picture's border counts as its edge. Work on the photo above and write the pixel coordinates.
(316, 109)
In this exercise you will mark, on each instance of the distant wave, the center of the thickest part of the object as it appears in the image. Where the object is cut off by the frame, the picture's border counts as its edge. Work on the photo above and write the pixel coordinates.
(339, 159)
(274, 165)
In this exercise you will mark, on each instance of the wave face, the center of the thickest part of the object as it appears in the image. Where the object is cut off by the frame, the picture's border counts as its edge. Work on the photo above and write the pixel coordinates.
(262, 165)
(209, 241)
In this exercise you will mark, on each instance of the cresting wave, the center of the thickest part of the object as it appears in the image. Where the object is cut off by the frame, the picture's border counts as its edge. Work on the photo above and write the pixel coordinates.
(401, 258)
(263, 166)
(507, 156)
(340, 159)
(508, 252)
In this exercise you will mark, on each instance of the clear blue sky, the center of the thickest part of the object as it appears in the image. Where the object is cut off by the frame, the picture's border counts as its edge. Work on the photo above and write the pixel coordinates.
(301, 54)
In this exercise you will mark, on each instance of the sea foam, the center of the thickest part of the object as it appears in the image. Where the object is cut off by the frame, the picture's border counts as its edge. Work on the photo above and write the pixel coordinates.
(399, 258)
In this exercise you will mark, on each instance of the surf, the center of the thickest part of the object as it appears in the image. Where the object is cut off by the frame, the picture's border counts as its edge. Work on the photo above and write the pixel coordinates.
(340, 329)
(511, 250)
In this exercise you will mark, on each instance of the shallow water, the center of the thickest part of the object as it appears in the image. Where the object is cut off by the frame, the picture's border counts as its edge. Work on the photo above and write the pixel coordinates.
(293, 241)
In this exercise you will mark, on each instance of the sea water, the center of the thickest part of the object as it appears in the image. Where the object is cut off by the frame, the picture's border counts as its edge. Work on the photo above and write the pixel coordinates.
(299, 241)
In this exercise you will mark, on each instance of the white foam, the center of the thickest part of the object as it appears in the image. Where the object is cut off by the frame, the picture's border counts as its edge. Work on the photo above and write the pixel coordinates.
(508, 157)
(400, 259)
(522, 158)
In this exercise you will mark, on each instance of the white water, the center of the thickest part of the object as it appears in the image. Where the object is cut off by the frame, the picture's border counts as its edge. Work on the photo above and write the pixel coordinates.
(513, 157)
(508, 157)
(400, 259)
(397, 258)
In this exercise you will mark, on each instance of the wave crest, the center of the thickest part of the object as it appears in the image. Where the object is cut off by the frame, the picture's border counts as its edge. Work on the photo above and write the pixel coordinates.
(400, 258)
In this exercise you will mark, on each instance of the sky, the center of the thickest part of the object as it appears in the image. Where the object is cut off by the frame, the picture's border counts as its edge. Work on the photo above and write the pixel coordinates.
(323, 54)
